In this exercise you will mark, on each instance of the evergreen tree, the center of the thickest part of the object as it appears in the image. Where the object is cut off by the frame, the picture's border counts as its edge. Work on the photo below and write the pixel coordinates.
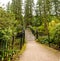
(39, 11)
(28, 11)
(17, 9)
(45, 18)
(8, 7)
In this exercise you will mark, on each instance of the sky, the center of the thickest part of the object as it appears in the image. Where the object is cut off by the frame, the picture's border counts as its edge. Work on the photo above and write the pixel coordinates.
(3, 3)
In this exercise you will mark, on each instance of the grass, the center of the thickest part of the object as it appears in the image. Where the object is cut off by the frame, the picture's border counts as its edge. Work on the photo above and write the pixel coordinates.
(20, 52)
(23, 49)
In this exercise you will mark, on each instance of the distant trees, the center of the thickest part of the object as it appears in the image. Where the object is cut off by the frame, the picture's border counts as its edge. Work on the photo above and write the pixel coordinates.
(55, 2)
(16, 8)
(50, 7)
(8, 7)
(38, 12)
(28, 11)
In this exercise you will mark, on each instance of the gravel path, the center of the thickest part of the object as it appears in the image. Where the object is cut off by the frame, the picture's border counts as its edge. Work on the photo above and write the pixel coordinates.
(38, 52)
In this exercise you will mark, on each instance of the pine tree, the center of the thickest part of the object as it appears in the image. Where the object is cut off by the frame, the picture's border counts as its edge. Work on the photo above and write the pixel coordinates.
(8, 7)
(17, 9)
(39, 10)
(45, 18)
(28, 11)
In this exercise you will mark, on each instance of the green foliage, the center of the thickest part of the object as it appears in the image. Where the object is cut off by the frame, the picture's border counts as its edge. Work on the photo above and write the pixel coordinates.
(28, 12)
(33, 29)
(43, 39)
(16, 8)
(56, 37)
(5, 34)
(8, 29)
(41, 30)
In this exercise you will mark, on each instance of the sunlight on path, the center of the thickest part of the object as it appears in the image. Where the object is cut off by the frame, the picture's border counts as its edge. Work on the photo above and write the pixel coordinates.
(38, 52)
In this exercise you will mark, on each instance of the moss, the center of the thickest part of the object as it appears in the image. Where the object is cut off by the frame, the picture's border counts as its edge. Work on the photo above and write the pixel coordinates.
(23, 49)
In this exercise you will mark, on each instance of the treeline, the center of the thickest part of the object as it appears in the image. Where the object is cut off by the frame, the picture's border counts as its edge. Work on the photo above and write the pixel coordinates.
(33, 12)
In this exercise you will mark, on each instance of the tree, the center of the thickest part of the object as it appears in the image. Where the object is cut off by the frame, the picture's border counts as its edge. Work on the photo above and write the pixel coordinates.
(17, 9)
(7, 22)
(46, 13)
(56, 6)
(39, 12)
(8, 7)
(28, 11)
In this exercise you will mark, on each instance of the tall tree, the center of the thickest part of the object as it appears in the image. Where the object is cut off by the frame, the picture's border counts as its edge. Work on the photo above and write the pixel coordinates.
(39, 11)
(46, 17)
(8, 7)
(28, 11)
(17, 9)
(56, 7)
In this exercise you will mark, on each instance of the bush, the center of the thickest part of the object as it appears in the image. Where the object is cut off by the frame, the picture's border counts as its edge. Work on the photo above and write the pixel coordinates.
(33, 29)
(56, 36)
(43, 39)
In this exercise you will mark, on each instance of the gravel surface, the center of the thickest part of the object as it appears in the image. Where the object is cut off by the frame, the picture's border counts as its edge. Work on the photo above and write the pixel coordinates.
(38, 52)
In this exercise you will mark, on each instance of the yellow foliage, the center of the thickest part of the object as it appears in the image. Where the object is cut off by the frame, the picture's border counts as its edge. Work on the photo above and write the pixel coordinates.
(23, 48)
(53, 23)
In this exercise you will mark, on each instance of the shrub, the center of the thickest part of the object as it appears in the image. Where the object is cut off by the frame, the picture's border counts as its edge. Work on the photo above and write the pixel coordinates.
(56, 36)
(43, 39)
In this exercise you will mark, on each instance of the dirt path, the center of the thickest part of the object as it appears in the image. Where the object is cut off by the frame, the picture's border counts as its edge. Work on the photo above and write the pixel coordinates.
(38, 52)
